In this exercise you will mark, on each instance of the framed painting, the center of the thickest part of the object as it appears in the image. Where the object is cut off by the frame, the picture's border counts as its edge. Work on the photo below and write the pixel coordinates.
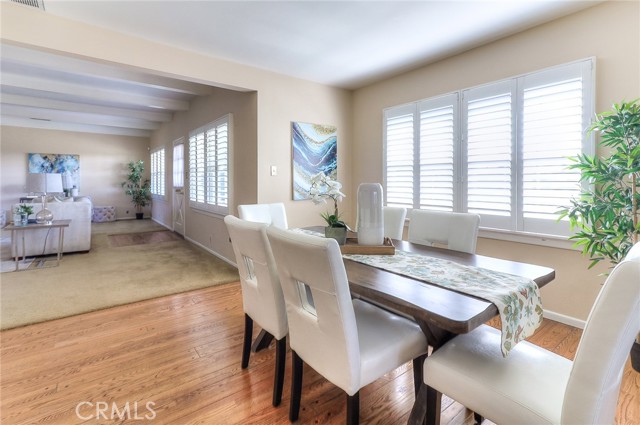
(315, 150)
(65, 164)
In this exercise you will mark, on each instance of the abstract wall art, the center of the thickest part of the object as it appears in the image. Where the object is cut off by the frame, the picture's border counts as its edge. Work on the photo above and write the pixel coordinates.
(66, 164)
(315, 149)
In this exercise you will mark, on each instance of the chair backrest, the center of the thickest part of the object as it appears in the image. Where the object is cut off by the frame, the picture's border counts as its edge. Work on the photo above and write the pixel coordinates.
(394, 221)
(592, 392)
(634, 252)
(262, 297)
(459, 231)
(322, 323)
(274, 214)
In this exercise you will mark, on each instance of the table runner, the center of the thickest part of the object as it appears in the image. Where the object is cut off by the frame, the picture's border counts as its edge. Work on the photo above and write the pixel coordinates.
(517, 298)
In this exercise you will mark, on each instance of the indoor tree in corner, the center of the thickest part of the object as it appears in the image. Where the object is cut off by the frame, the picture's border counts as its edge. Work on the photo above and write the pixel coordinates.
(137, 187)
(607, 214)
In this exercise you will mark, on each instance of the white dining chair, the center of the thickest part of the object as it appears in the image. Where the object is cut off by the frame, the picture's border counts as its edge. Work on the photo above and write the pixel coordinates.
(272, 214)
(262, 298)
(458, 231)
(394, 221)
(533, 385)
(349, 342)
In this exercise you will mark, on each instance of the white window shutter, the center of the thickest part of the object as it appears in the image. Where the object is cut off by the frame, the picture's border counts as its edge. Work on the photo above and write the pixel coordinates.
(222, 165)
(438, 146)
(553, 129)
(399, 153)
(489, 136)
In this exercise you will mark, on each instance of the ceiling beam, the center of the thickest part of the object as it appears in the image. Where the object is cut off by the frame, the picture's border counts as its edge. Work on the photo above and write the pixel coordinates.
(50, 125)
(118, 73)
(77, 117)
(20, 100)
(91, 95)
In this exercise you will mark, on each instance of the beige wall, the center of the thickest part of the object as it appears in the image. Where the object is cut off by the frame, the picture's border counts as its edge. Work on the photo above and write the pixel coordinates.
(205, 229)
(610, 32)
(280, 100)
(103, 160)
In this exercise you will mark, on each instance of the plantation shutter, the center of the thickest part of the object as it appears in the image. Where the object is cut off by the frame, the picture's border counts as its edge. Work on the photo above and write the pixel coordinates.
(399, 153)
(209, 166)
(489, 136)
(157, 172)
(437, 146)
(222, 165)
(553, 129)
(196, 168)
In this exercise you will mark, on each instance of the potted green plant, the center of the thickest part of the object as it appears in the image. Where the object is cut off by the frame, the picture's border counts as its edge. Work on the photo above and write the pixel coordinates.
(323, 187)
(24, 211)
(606, 214)
(137, 187)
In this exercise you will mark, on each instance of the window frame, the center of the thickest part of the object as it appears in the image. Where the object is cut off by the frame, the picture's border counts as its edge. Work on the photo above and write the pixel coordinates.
(205, 206)
(514, 230)
(158, 185)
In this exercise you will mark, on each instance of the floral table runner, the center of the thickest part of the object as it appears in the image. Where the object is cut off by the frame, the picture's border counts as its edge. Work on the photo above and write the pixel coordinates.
(517, 298)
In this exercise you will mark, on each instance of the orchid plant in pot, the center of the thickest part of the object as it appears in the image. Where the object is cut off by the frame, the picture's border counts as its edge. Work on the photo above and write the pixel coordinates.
(322, 188)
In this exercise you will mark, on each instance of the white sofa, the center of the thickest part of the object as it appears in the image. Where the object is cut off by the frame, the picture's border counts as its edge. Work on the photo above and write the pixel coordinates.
(77, 237)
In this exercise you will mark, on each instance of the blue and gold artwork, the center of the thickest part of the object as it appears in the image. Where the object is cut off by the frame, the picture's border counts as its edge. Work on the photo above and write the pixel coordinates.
(66, 164)
(315, 149)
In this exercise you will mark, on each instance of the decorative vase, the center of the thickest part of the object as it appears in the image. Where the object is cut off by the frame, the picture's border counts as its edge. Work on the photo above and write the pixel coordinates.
(370, 219)
(337, 233)
(24, 219)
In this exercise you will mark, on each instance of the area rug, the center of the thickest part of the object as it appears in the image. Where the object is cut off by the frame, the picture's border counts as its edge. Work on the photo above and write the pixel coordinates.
(108, 276)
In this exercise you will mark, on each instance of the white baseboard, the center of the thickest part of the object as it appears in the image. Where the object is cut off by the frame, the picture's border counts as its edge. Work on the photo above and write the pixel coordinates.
(226, 260)
(562, 318)
(161, 224)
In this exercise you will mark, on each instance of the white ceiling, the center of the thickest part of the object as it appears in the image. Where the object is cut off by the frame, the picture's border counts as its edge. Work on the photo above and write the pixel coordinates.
(346, 44)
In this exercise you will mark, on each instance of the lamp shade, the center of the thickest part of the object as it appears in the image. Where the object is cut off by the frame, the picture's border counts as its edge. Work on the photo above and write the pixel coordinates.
(44, 182)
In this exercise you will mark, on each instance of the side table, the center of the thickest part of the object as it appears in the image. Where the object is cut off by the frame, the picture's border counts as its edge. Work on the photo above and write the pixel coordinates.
(59, 224)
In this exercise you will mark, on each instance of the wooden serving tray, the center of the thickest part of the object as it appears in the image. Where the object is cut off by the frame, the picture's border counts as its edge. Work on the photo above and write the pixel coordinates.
(351, 247)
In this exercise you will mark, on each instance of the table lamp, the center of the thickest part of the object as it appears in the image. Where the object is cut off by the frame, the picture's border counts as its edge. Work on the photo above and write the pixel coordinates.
(44, 183)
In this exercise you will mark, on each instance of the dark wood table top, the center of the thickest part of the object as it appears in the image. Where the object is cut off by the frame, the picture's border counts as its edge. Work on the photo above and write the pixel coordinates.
(431, 305)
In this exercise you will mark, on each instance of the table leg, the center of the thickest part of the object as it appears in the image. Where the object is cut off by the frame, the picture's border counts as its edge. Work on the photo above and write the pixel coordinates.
(14, 248)
(436, 338)
(60, 244)
(262, 341)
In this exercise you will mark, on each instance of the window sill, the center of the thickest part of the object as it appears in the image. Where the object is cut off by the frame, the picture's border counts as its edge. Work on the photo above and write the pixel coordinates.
(552, 241)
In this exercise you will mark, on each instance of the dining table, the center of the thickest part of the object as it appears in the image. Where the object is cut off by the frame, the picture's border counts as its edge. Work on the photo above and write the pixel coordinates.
(441, 313)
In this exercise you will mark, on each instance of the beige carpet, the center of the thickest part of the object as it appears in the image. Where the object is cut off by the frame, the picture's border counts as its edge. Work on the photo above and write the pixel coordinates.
(108, 276)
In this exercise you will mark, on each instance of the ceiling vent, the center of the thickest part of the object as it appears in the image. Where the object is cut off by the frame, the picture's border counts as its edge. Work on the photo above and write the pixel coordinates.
(38, 4)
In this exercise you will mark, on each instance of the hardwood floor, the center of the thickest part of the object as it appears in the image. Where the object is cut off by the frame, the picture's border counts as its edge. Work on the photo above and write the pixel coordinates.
(176, 361)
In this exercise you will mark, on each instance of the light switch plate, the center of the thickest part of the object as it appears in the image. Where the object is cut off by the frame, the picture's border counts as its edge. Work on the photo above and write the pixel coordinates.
(274, 170)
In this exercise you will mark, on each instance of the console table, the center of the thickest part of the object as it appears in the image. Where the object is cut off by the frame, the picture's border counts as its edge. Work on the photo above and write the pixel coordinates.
(56, 224)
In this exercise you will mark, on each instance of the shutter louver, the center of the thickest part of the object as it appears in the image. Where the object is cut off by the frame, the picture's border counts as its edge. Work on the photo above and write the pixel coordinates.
(222, 167)
(209, 166)
(400, 158)
(489, 141)
(552, 132)
(437, 158)
(196, 168)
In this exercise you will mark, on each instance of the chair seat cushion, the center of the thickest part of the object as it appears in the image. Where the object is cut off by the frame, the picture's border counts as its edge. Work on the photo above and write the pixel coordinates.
(386, 341)
(527, 387)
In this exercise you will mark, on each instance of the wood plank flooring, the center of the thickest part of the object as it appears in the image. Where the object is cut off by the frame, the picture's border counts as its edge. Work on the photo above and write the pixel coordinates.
(176, 361)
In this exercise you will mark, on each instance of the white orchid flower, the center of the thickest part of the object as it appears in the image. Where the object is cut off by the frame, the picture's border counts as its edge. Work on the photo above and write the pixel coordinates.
(317, 178)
